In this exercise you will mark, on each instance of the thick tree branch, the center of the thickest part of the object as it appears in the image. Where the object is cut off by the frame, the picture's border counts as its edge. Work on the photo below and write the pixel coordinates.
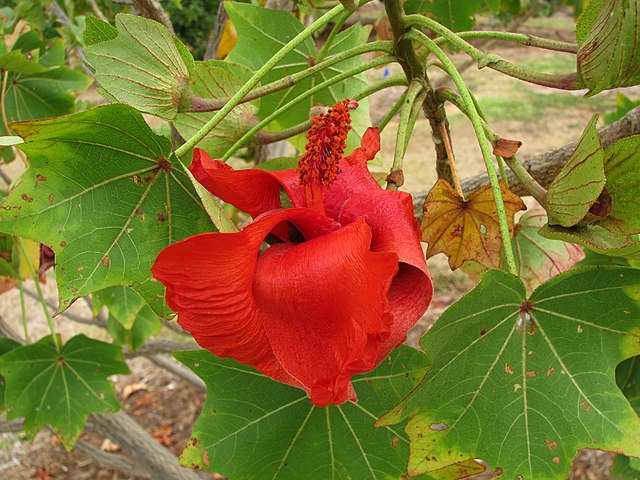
(545, 167)
(125, 431)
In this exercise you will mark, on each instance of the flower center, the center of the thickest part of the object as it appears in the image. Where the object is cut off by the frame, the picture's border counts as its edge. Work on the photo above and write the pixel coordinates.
(318, 167)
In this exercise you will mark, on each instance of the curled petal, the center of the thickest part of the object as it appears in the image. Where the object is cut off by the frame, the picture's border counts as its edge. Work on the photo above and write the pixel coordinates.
(323, 304)
(310, 314)
(253, 190)
(395, 229)
(209, 280)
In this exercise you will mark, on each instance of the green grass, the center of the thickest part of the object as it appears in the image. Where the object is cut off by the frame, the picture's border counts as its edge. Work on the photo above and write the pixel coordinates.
(533, 106)
(557, 22)
(552, 63)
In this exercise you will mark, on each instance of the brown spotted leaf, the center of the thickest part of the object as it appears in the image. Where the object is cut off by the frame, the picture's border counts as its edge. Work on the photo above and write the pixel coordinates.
(524, 382)
(466, 229)
(102, 192)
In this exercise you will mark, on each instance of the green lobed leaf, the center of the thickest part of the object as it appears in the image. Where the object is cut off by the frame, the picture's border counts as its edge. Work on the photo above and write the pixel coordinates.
(252, 427)
(40, 95)
(525, 383)
(621, 167)
(580, 182)
(596, 238)
(263, 32)
(18, 61)
(609, 54)
(98, 31)
(218, 79)
(61, 387)
(6, 345)
(455, 15)
(144, 66)
(103, 191)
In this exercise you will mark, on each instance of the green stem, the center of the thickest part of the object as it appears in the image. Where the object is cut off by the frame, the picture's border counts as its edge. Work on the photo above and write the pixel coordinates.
(276, 113)
(199, 104)
(408, 116)
(23, 312)
(257, 76)
(43, 302)
(536, 190)
(503, 171)
(478, 128)
(521, 38)
(569, 81)
(391, 113)
(271, 137)
(332, 35)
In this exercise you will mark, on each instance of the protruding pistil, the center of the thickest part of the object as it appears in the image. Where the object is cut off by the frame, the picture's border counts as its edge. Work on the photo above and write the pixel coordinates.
(319, 166)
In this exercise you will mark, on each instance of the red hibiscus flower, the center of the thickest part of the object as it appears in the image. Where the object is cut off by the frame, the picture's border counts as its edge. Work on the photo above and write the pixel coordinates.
(309, 295)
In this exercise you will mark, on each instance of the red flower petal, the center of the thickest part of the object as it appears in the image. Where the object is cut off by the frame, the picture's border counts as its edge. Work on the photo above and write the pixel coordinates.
(257, 191)
(395, 229)
(323, 304)
(355, 176)
(310, 314)
(253, 191)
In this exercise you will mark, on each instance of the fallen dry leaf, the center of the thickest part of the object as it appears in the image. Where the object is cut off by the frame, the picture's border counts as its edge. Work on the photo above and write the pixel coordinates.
(109, 446)
(466, 229)
(132, 388)
(163, 435)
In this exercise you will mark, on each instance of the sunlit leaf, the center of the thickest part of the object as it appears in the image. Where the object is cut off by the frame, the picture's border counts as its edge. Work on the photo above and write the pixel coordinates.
(609, 54)
(525, 383)
(102, 191)
(218, 79)
(538, 258)
(580, 182)
(97, 31)
(252, 427)
(263, 32)
(61, 387)
(144, 66)
(466, 229)
(458, 16)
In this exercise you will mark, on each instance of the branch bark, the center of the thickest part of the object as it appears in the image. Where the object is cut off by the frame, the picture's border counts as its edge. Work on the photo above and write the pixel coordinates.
(545, 167)
(216, 32)
(125, 431)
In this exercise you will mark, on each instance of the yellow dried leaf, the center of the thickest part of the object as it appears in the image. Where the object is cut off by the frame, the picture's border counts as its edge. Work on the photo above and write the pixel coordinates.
(227, 41)
(466, 229)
